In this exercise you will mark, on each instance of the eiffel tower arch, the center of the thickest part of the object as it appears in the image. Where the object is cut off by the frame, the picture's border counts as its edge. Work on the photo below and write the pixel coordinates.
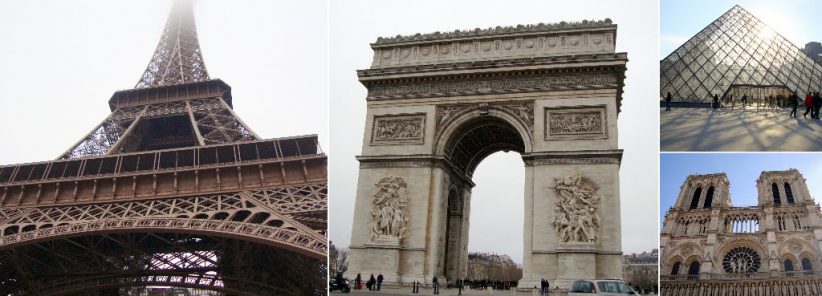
(172, 189)
(439, 103)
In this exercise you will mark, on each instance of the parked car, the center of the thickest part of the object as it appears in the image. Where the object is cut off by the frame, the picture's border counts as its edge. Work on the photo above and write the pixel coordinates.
(600, 287)
(336, 285)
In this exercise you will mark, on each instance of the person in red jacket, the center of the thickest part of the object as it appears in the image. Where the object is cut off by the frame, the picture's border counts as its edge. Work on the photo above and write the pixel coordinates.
(808, 105)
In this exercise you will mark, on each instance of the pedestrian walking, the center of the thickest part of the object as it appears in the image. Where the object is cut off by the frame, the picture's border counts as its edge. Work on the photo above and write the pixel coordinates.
(668, 102)
(715, 104)
(793, 100)
(808, 106)
(358, 282)
(379, 281)
(817, 104)
(436, 285)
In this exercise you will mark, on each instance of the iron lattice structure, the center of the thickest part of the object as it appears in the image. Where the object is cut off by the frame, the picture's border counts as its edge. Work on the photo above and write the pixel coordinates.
(178, 58)
(736, 50)
(172, 189)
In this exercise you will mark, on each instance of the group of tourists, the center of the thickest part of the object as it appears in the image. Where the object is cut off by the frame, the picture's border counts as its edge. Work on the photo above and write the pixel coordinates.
(373, 284)
(544, 286)
(484, 284)
(812, 103)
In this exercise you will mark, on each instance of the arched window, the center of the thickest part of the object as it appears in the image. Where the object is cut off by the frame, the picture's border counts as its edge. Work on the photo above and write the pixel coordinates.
(694, 268)
(775, 191)
(675, 269)
(709, 198)
(789, 193)
(788, 265)
(806, 264)
(695, 199)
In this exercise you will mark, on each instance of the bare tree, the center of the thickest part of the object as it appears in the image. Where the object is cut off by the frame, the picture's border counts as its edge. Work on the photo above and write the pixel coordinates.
(341, 260)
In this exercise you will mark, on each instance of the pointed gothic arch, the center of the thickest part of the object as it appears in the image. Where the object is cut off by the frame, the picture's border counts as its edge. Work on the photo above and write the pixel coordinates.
(775, 193)
(709, 198)
(695, 198)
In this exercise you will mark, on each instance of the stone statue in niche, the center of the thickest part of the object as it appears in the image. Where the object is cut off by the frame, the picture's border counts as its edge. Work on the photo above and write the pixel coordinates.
(576, 209)
(388, 210)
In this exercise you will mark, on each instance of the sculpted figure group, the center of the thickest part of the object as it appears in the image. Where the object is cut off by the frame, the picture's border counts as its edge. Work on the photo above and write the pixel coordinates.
(388, 209)
(576, 217)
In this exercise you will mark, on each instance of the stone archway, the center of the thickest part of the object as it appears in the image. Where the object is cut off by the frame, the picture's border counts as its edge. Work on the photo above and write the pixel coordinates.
(428, 127)
(475, 136)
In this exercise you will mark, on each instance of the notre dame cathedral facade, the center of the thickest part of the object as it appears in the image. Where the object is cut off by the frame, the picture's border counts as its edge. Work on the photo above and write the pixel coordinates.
(710, 247)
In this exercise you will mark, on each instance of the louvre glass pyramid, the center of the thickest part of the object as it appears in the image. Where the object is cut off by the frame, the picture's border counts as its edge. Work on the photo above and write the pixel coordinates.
(736, 51)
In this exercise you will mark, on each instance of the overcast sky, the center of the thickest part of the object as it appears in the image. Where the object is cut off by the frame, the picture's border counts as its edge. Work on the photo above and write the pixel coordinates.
(497, 205)
(60, 62)
(796, 20)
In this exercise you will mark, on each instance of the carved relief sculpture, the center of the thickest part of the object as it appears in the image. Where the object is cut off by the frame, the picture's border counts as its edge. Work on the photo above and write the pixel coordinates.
(523, 111)
(576, 209)
(388, 210)
(402, 129)
(584, 123)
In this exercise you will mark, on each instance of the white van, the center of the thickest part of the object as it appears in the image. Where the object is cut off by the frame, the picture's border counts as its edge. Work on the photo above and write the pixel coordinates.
(600, 287)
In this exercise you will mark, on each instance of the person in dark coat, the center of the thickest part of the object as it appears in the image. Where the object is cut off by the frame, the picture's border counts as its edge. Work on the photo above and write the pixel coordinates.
(808, 105)
(379, 281)
(358, 282)
(542, 287)
(817, 104)
(371, 283)
(668, 102)
(793, 100)
(744, 100)
(715, 105)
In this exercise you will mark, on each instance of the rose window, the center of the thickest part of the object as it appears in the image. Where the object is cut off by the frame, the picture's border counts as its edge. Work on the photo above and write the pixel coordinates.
(741, 260)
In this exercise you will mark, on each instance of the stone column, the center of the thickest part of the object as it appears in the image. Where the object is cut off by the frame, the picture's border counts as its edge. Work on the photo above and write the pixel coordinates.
(466, 214)
(529, 278)
(434, 248)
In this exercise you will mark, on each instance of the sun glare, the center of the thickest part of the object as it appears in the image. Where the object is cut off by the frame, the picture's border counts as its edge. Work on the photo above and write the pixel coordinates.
(766, 34)
(778, 21)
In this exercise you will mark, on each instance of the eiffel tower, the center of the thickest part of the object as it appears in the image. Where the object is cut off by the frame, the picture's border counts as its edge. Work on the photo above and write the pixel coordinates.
(172, 189)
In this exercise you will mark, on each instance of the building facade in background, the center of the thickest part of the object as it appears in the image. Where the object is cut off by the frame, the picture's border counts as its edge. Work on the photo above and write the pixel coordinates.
(642, 270)
(710, 247)
(814, 51)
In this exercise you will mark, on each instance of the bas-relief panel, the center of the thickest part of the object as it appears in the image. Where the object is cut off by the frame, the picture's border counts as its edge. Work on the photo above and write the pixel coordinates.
(398, 129)
(575, 123)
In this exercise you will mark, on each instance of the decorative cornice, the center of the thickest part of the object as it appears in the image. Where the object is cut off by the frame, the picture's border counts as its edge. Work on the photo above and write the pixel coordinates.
(560, 62)
(495, 31)
(574, 157)
(496, 83)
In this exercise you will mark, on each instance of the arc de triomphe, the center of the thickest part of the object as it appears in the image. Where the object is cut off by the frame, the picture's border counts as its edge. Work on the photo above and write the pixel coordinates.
(439, 103)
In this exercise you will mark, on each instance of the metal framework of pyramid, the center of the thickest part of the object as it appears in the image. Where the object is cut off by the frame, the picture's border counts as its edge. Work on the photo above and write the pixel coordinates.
(737, 51)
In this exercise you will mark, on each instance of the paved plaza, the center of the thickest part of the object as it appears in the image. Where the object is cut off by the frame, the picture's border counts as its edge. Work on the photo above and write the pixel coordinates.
(449, 292)
(750, 129)
(446, 292)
